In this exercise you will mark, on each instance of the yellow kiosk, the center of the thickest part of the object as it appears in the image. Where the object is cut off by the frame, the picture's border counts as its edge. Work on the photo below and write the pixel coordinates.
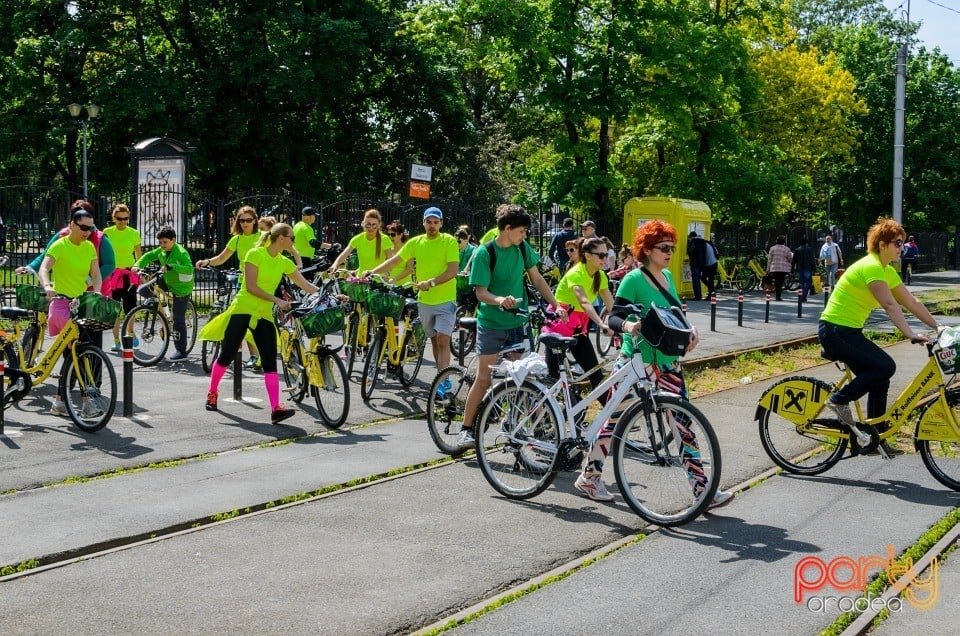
(685, 215)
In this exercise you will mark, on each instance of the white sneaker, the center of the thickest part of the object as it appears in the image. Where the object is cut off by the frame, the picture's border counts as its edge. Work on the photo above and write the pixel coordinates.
(465, 439)
(722, 498)
(90, 410)
(59, 408)
(593, 488)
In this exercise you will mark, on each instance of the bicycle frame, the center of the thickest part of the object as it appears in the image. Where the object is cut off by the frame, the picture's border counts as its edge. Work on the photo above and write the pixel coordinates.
(44, 367)
(393, 337)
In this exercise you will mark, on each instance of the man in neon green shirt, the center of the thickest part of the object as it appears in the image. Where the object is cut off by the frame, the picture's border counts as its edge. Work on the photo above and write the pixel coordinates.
(436, 256)
(304, 236)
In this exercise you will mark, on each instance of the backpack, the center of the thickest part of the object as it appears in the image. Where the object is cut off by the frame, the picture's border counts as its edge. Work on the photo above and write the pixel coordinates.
(492, 253)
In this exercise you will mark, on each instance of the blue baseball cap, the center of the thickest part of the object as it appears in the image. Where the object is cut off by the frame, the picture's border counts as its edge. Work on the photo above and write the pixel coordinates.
(432, 211)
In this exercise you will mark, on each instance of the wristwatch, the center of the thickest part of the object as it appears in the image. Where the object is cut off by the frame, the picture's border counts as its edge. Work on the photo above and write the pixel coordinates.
(433, 282)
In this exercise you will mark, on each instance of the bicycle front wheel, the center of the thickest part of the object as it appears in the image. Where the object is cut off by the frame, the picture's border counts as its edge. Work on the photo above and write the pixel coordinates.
(150, 327)
(411, 360)
(942, 459)
(517, 440)
(666, 458)
(445, 414)
(294, 372)
(469, 335)
(191, 319)
(374, 367)
(604, 342)
(351, 329)
(91, 388)
(209, 352)
(333, 394)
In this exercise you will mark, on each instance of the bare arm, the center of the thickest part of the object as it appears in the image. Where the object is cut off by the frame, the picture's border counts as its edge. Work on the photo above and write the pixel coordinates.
(890, 304)
(914, 306)
(44, 275)
(216, 260)
(541, 286)
(341, 257)
(589, 309)
(303, 283)
(95, 276)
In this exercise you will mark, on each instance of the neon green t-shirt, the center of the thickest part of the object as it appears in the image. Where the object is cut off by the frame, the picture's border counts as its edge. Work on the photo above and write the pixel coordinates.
(242, 244)
(396, 272)
(852, 301)
(124, 242)
(270, 269)
(636, 288)
(507, 280)
(489, 236)
(577, 275)
(302, 235)
(367, 250)
(432, 259)
(71, 265)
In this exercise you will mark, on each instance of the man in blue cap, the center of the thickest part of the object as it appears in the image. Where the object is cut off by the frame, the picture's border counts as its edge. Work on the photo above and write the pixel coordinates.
(437, 257)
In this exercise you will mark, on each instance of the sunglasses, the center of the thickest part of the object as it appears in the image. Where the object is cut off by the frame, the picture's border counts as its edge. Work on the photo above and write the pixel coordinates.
(598, 254)
(391, 234)
(571, 250)
(84, 228)
(666, 249)
(898, 242)
(121, 218)
(370, 225)
(245, 220)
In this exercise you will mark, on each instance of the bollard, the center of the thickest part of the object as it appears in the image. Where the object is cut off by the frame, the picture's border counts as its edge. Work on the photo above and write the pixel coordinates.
(238, 375)
(740, 310)
(800, 303)
(127, 375)
(713, 313)
(826, 294)
(683, 306)
(3, 397)
(766, 314)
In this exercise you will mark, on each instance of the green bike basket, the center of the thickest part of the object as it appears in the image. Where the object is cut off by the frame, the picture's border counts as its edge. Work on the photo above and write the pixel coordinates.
(385, 305)
(32, 297)
(96, 311)
(323, 322)
(357, 292)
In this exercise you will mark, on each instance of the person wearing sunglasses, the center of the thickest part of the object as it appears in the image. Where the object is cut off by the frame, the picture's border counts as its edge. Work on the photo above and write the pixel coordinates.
(68, 264)
(465, 246)
(373, 247)
(245, 233)
(403, 272)
(654, 246)
(122, 284)
(572, 248)
(867, 284)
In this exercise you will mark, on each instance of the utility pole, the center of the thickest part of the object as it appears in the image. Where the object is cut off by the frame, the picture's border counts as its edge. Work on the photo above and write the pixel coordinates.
(898, 126)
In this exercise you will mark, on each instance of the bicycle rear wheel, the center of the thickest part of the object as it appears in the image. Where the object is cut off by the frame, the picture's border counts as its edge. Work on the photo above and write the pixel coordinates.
(374, 367)
(294, 373)
(90, 388)
(667, 460)
(411, 359)
(209, 352)
(445, 414)
(517, 440)
(604, 342)
(469, 335)
(150, 327)
(333, 394)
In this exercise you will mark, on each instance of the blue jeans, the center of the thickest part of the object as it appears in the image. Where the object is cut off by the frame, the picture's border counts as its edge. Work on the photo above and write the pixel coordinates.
(871, 366)
(805, 278)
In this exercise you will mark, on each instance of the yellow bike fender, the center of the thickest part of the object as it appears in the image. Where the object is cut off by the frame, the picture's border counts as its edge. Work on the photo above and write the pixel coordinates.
(938, 422)
(797, 399)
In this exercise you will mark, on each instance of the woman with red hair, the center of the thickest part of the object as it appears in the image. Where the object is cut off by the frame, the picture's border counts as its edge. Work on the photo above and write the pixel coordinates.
(654, 244)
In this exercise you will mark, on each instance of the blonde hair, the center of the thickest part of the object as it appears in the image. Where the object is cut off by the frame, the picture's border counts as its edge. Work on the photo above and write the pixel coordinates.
(266, 222)
(278, 229)
(374, 213)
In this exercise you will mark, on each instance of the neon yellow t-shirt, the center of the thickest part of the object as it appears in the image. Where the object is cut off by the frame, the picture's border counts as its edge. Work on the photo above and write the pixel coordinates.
(302, 235)
(577, 275)
(852, 301)
(242, 244)
(123, 242)
(71, 265)
(396, 272)
(432, 258)
(270, 269)
(490, 235)
(367, 250)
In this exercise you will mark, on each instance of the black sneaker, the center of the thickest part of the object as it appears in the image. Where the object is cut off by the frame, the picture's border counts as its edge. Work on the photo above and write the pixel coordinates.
(212, 400)
(280, 413)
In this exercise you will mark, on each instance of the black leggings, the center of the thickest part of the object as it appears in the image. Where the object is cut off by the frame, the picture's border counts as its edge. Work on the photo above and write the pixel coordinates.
(264, 336)
(586, 356)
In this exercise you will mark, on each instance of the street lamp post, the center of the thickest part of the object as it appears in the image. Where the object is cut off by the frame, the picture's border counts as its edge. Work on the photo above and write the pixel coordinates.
(93, 111)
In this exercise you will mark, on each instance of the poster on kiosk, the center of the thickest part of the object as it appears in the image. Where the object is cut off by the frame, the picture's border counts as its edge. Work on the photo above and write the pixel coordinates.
(685, 215)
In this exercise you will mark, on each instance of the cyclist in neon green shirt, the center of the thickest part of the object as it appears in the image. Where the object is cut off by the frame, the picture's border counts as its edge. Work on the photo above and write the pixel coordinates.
(372, 246)
(126, 249)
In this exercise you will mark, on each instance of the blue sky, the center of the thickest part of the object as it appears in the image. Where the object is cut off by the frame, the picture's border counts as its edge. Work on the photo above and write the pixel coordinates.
(941, 23)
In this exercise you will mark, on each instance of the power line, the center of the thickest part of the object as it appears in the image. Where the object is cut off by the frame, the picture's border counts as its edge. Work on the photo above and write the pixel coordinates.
(943, 6)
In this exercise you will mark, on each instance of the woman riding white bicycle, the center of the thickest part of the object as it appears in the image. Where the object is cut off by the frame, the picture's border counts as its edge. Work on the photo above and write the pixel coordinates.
(654, 243)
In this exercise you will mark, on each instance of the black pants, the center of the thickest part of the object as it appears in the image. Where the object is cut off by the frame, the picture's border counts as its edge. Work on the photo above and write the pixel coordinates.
(586, 356)
(778, 278)
(871, 365)
(264, 336)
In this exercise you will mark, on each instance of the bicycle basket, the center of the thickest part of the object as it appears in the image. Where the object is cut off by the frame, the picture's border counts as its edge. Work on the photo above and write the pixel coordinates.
(96, 311)
(463, 284)
(323, 322)
(357, 292)
(32, 297)
(353, 261)
(385, 305)
(667, 330)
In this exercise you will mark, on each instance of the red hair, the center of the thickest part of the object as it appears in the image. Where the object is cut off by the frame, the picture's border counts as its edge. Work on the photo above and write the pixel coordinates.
(651, 233)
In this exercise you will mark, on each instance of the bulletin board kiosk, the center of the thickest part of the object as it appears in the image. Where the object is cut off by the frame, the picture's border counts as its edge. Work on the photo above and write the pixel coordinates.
(685, 215)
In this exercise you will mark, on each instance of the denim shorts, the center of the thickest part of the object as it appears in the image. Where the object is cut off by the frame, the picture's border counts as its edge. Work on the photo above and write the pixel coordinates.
(491, 341)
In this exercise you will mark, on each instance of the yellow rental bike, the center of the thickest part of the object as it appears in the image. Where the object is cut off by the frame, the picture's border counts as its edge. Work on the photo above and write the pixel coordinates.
(397, 347)
(801, 436)
(361, 325)
(88, 384)
(316, 367)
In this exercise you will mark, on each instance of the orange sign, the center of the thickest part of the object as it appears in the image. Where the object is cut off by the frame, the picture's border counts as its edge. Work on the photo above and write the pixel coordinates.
(419, 190)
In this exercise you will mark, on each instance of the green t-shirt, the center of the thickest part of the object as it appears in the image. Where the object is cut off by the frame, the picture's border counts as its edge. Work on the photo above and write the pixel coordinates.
(396, 271)
(179, 277)
(852, 301)
(432, 259)
(367, 249)
(636, 288)
(577, 275)
(124, 242)
(71, 265)
(242, 244)
(507, 280)
(302, 235)
(465, 256)
(270, 269)
(489, 236)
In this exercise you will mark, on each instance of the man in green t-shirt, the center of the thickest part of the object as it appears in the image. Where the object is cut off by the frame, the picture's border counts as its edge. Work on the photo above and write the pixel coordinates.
(177, 268)
(500, 288)
(437, 256)
(304, 238)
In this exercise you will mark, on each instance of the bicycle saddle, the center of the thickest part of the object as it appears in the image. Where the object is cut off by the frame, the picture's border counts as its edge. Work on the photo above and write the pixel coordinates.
(556, 341)
(15, 313)
(468, 323)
